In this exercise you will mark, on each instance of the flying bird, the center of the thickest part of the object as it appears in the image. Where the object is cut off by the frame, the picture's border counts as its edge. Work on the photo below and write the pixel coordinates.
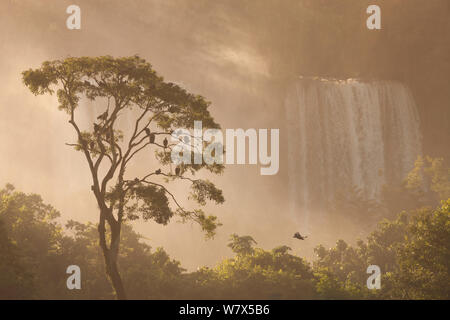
(298, 236)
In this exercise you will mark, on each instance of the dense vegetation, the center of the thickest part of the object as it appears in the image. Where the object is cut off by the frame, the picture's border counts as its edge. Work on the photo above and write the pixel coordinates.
(130, 86)
(306, 37)
(412, 250)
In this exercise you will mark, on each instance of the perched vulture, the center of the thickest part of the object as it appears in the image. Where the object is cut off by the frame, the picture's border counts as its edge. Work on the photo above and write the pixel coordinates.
(298, 236)
(103, 116)
(83, 143)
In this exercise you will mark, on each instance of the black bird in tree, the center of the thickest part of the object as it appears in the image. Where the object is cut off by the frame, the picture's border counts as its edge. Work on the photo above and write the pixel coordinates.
(83, 144)
(177, 171)
(127, 81)
(92, 145)
(150, 135)
(165, 142)
(173, 109)
(96, 128)
(103, 116)
(158, 171)
(298, 236)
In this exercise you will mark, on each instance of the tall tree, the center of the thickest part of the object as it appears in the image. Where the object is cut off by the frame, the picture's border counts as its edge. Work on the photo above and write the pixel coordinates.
(129, 86)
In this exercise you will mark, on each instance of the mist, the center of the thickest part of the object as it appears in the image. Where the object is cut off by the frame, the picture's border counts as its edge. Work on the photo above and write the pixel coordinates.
(242, 56)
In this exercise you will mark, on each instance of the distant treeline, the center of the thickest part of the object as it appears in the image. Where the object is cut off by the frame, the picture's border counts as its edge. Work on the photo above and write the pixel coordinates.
(412, 251)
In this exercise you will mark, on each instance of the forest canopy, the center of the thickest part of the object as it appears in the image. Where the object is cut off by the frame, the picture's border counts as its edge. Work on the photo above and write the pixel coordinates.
(412, 250)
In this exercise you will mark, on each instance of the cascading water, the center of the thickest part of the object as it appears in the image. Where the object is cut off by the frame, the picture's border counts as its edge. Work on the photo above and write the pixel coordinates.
(348, 132)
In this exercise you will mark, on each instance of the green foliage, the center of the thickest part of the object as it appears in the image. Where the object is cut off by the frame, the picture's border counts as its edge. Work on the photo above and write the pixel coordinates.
(35, 252)
(254, 273)
(147, 274)
(15, 281)
(412, 251)
(128, 79)
(241, 245)
(206, 190)
(130, 84)
(155, 203)
(425, 185)
(32, 243)
(424, 258)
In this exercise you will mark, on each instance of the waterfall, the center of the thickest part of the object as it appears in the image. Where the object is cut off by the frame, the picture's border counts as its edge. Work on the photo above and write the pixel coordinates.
(347, 132)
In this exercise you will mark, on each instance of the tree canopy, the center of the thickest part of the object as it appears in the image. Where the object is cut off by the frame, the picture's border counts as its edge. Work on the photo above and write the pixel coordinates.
(412, 251)
(130, 86)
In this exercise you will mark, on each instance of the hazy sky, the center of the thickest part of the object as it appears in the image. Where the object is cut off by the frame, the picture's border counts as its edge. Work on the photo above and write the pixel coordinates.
(205, 54)
(239, 54)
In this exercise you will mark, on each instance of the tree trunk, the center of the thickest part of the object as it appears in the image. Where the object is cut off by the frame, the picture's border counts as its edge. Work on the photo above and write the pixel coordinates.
(114, 276)
(110, 254)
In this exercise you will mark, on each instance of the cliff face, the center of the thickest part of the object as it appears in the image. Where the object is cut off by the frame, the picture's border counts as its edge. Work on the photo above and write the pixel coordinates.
(348, 133)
